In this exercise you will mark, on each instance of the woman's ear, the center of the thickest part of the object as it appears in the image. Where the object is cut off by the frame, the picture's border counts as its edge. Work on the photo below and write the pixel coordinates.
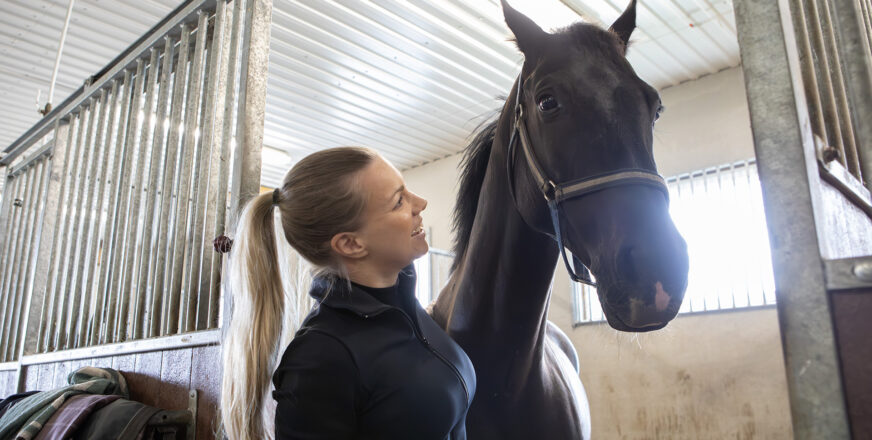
(348, 245)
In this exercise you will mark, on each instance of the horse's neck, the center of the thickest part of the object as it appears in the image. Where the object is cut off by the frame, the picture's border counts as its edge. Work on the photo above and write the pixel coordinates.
(496, 301)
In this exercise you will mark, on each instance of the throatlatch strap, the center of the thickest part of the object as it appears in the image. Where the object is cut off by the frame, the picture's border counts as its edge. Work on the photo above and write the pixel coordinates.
(584, 276)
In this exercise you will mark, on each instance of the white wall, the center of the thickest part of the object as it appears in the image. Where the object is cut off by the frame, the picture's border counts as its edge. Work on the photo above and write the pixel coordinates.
(704, 376)
(705, 123)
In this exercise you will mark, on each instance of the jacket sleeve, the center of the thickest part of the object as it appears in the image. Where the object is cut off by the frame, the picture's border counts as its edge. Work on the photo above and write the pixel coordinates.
(317, 385)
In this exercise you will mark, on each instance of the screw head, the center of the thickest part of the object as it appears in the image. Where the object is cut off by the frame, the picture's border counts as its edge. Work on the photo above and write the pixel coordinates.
(863, 271)
(831, 153)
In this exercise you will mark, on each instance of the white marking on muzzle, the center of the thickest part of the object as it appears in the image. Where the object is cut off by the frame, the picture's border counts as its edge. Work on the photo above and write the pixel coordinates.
(661, 298)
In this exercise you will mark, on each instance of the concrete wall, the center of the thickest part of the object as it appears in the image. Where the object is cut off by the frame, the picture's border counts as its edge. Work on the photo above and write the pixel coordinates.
(706, 376)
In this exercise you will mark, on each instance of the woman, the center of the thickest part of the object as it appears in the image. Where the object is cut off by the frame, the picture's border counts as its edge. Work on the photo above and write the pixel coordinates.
(367, 361)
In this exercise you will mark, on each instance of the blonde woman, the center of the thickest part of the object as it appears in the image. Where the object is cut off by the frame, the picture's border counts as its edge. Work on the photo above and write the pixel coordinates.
(367, 362)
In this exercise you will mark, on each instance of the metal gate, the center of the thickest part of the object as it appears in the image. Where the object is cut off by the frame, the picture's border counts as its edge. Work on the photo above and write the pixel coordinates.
(110, 202)
(808, 74)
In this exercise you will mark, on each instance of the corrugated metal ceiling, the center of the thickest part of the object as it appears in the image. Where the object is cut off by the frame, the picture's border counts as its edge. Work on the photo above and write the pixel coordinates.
(409, 78)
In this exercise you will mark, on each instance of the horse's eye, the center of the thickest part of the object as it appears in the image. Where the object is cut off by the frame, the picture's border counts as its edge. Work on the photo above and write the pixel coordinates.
(659, 112)
(547, 103)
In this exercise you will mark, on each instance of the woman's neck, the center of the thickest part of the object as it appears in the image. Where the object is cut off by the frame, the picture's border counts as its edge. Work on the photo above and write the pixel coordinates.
(372, 277)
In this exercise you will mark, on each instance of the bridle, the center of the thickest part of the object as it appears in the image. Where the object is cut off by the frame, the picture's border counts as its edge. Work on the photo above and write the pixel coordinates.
(556, 193)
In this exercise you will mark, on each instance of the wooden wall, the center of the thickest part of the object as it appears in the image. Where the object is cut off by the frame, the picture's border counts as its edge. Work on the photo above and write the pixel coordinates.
(7, 383)
(157, 378)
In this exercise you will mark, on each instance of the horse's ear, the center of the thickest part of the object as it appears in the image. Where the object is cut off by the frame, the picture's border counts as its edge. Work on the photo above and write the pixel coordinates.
(528, 35)
(625, 24)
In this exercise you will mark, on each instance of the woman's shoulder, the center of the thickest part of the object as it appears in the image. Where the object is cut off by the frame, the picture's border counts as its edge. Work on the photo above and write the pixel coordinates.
(315, 347)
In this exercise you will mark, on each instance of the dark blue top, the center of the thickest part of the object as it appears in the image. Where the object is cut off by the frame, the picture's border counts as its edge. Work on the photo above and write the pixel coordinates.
(370, 363)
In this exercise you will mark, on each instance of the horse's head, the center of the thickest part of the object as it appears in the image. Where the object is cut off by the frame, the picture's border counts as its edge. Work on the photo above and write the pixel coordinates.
(588, 114)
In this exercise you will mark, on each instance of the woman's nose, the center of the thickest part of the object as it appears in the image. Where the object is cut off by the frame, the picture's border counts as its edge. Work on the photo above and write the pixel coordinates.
(422, 203)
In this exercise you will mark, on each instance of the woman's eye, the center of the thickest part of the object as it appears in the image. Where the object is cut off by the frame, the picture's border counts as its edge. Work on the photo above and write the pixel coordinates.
(399, 202)
(547, 103)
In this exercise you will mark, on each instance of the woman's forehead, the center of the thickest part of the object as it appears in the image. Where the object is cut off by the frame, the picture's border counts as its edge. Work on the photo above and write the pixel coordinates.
(381, 180)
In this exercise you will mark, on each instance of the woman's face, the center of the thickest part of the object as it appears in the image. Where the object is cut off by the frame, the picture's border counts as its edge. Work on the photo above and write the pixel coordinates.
(392, 230)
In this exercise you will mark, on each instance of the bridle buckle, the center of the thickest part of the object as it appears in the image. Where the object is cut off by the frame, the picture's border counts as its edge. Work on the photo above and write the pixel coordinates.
(550, 191)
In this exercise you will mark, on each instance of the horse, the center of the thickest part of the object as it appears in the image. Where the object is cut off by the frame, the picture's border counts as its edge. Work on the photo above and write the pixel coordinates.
(568, 164)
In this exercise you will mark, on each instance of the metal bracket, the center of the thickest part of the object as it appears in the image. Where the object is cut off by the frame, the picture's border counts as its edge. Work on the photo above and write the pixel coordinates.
(192, 408)
(848, 273)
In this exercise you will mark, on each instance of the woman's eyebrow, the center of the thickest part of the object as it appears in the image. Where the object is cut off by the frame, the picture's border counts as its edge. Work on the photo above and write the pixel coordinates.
(400, 189)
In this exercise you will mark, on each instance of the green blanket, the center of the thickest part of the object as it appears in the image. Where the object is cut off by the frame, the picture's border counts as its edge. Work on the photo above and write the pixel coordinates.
(26, 418)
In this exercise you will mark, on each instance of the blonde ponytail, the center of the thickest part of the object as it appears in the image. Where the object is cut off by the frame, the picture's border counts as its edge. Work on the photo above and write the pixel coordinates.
(268, 279)
(258, 320)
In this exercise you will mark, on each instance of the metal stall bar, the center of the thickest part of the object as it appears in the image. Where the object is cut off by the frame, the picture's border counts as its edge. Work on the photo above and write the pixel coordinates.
(71, 282)
(788, 169)
(91, 221)
(213, 128)
(34, 200)
(127, 222)
(221, 207)
(835, 68)
(10, 195)
(810, 74)
(97, 261)
(178, 298)
(67, 237)
(245, 176)
(164, 244)
(5, 219)
(144, 291)
(39, 301)
(191, 276)
(866, 6)
(830, 107)
(854, 32)
(48, 326)
(213, 96)
(5, 210)
(113, 209)
(134, 242)
(12, 242)
(29, 177)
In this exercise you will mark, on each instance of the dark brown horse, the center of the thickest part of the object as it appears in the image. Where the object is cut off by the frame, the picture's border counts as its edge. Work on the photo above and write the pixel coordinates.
(568, 161)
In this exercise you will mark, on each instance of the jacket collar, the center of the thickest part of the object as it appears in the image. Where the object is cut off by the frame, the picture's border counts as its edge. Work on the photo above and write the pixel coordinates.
(333, 292)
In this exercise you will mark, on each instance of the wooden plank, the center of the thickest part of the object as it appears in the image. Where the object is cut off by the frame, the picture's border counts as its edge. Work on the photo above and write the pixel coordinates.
(124, 363)
(7, 383)
(45, 376)
(31, 375)
(175, 379)
(144, 381)
(206, 379)
(63, 370)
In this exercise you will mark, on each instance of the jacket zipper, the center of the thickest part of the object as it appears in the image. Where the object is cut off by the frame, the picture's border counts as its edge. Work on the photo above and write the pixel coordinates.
(426, 343)
(421, 339)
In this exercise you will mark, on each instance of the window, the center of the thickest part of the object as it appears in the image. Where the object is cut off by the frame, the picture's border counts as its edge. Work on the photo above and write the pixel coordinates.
(433, 271)
(719, 211)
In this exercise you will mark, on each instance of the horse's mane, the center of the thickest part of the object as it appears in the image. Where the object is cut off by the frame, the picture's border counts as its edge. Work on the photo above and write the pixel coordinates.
(474, 166)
